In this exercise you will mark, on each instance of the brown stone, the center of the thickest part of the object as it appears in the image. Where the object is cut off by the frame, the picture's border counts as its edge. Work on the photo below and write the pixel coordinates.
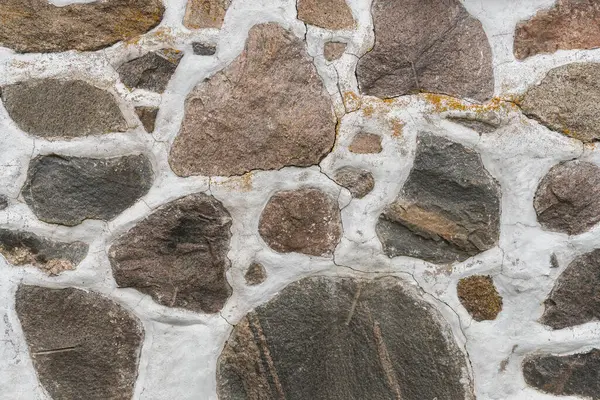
(569, 24)
(266, 110)
(255, 274)
(358, 181)
(334, 50)
(178, 254)
(479, 296)
(147, 116)
(205, 13)
(328, 14)
(366, 143)
(304, 221)
(36, 26)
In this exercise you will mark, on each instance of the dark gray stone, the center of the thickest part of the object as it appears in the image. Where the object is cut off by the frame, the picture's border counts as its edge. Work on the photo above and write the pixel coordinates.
(335, 338)
(147, 116)
(152, 71)
(255, 274)
(178, 254)
(358, 181)
(83, 345)
(3, 202)
(51, 108)
(67, 190)
(449, 207)
(201, 49)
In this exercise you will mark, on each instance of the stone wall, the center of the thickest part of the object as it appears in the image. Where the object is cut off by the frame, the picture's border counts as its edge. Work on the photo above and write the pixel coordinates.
(299, 199)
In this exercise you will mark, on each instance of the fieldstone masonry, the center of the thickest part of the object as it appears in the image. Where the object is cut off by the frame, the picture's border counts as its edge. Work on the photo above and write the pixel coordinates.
(299, 199)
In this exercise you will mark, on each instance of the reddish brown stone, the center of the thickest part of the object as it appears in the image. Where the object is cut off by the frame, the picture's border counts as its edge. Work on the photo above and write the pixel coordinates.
(205, 13)
(328, 14)
(366, 143)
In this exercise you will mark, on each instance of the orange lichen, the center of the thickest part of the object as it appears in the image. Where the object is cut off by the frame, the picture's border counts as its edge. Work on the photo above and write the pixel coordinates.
(352, 101)
(442, 103)
(397, 127)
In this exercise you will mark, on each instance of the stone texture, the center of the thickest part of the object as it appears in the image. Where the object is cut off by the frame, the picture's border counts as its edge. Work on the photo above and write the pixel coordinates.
(202, 49)
(569, 24)
(479, 296)
(334, 338)
(366, 143)
(574, 299)
(358, 181)
(83, 345)
(304, 221)
(36, 26)
(178, 254)
(437, 48)
(255, 274)
(3, 202)
(571, 375)
(205, 13)
(52, 257)
(67, 190)
(449, 207)
(334, 50)
(266, 110)
(328, 14)
(478, 125)
(51, 108)
(152, 71)
(567, 101)
(568, 198)
(147, 116)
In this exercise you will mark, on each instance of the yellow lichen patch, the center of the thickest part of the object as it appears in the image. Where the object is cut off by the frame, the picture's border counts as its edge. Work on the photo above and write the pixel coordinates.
(397, 127)
(442, 103)
(352, 101)
(241, 183)
(22, 256)
(479, 296)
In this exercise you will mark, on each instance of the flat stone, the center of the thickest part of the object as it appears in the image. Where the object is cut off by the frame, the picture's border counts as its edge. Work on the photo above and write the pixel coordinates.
(479, 297)
(147, 116)
(358, 181)
(205, 13)
(569, 24)
(52, 257)
(438, 48)
(366, 143)
(478, 125)
(83, 345)
(574, 300)
(152, 71)
(255, 274)
(201, 49)
(328, 14)
(571, 375)
(67, 190)
(449, 207)
(36, 26)
(567, 101)
(304, 221)
(51, 108)
(568, 197)
(266, 110)
(367, 339)
(334, 50)
(178, 255)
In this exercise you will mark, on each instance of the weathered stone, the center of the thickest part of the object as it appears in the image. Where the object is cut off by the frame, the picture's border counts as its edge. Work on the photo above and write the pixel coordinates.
(334, 50)
(334, 338)
(36, 26)
(572, 375)
(178, 254)
(479, 297)
(201, 49)
(569, 24)
(83, 345)
(3, 202)
(52, 257)
(328, 14)
(266, 110)
(256, 274)
(147, 116)
(205, 13)
(449, 208)
(67, 190)
(52, 108)
(574, 299)
(437, 48)
(358, 181)
(304, 221)
(478, 125)
(152, 71)
(568, 197)
(567, 101)
(366, 143)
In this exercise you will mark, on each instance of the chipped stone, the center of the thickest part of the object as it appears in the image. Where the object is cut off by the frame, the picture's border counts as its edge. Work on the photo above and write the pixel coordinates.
(479, 297)
(358, 181)
(147, 116)
(334, 50)
(366, 143)
(205, 13)
(178, 255)
(152, 71)
(255, 274)
(67, 190)
(328, 14)
(201, 49)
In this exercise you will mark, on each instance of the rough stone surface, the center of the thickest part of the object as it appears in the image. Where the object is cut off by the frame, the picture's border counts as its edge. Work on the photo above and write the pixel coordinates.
(568, 197)
(205, 13)
(479, 296)
(202, 49)
(437, 48)
(304, 221)
(328, 14)
(152, 71)
(52, 257)
(477, 125)
(367, 340)
(567, 101)
(449, 208)
(178, 255)
(67, 190)
(358, 181)
(569, 24)
(83, 345)
(36, 26)
(3, 202)
(267, 110)
(147, 116)
(255, 274)
(51, 108)
(572, 375)
(366, 143)
(334, 50)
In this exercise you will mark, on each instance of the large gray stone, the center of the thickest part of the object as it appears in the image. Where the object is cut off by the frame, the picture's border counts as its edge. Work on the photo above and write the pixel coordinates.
(67, 190)
(152, 71)
(426, 46)
(335, 338)
(83, 345)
